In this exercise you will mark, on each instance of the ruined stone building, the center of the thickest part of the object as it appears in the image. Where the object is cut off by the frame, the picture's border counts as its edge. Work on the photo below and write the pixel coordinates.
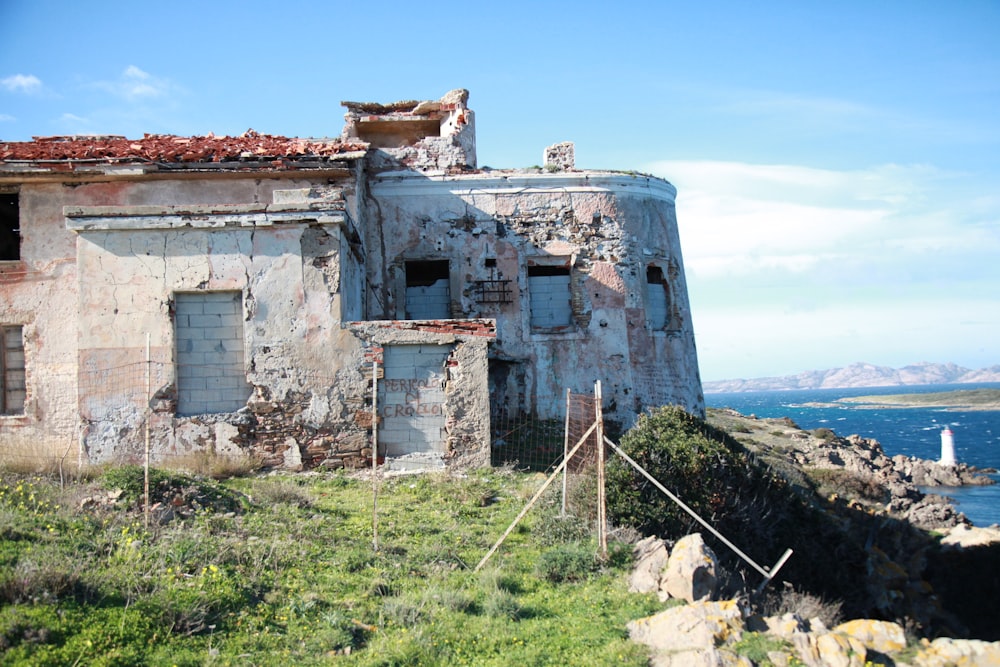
(231, 294)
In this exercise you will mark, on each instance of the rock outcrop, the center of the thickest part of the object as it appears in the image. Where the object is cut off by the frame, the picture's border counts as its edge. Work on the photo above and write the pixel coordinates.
(691, 570)
(856, 469)
(709, 633)
(899, 557)
(687, 572)
(930, 473)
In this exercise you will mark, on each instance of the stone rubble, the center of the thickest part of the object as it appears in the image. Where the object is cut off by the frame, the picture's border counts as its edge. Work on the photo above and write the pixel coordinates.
(705, 631)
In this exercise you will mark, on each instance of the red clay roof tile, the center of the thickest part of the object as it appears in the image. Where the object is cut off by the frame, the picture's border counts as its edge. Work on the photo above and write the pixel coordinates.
(167, 148)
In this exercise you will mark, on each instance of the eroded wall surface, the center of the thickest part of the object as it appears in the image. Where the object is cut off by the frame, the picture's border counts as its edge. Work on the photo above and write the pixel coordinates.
(38, 293)
(296, 267)
(390, 287)
(604, 230)
(283, 260)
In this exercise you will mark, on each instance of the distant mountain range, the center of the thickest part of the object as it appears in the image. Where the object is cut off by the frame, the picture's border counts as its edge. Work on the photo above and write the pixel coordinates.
(860, 375)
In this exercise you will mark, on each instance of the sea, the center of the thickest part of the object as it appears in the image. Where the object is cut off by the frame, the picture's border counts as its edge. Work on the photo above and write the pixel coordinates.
(911, 431)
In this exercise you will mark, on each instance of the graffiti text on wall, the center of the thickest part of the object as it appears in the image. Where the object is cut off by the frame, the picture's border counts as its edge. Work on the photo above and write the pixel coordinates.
(419, 397)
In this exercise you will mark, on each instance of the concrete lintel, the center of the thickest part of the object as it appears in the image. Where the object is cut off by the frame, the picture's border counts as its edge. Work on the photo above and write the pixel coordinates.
(134, 218)
(410, 331)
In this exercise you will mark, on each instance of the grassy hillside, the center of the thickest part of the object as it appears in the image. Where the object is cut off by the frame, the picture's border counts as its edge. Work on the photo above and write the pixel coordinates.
(281, 570)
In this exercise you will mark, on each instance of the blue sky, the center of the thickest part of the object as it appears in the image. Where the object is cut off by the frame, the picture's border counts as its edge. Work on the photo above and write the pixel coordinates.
(838, 164)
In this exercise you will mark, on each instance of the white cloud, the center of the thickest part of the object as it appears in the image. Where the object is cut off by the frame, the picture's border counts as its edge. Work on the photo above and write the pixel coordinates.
(792, 268)
(6, 118)
(135, 84)
(738, 218)
(22, 83)
(773, 340)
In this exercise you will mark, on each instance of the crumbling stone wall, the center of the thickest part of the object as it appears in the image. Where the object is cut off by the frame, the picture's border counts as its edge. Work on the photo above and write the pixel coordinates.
(314, 234)
(607, 228)
(560, 157)
(285, 259)
(433, 135)
(38, 293)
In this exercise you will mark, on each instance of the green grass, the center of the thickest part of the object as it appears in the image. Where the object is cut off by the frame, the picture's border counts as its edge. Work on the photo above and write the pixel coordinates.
(281, 570)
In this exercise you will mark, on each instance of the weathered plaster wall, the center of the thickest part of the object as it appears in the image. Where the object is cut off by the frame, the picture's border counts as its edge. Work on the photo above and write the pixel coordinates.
(607, 227)
(285, 259)
(106, 252)
(104, 261)
(39, 293)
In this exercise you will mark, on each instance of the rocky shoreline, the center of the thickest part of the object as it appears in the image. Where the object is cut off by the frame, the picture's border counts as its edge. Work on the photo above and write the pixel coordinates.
(892, 484)
(868, 491)
(712, 632)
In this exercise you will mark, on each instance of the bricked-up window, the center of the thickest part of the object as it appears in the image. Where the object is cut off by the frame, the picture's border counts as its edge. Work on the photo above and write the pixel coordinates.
(428, 296)
(10, 228)
(211, 375)
(551, 299)
(657, 298)
(12, 386)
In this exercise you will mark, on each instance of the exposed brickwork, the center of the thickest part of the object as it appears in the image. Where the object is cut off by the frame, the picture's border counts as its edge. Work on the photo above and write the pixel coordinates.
(483, 328)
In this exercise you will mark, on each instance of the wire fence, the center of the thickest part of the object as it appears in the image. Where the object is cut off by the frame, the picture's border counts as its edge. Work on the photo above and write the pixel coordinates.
(526, 442)
(129, 405)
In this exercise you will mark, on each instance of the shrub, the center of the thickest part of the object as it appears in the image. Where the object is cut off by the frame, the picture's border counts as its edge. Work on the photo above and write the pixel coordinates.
(705, 467)
(805, 605)
(502, 604)
(46, 576)
(756, 646)
(170, 488)
(553, 528)
(274, 491)
(847, 484)
(567, 562)
(206, 463)
(746, 501)
(824, 434)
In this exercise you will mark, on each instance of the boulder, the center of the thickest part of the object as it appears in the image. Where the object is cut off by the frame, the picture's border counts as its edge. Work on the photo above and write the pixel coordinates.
(881, 636)
(780, 626)
(691, 570)
(934, 512)
(963, 536)
(650, 559)
(945, 652)
(703, 658)
(700, 626)
(829, 649)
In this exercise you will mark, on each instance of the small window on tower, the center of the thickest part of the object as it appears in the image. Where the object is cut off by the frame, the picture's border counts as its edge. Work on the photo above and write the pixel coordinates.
(10, 228)
(551, 297)
(657, 299)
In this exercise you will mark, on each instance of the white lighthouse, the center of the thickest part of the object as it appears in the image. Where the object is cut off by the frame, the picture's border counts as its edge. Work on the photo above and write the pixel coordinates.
(947, 447)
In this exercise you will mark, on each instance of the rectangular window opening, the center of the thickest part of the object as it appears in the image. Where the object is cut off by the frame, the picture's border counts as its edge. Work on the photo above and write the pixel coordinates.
(428, 291)
(211, 375)
(10, 228)
(12, 371)
(657, 298)
(551, 297)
